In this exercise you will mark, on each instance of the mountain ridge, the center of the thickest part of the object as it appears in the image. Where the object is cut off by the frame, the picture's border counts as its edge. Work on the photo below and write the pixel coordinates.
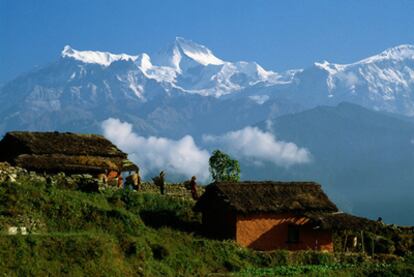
(96, 85)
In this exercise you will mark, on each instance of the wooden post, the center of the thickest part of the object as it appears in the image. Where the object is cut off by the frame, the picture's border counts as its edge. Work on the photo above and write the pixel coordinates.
(362, 242)
(372, 246)
(346, 238)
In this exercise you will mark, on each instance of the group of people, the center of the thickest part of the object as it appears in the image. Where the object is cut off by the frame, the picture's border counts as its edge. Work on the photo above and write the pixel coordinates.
(115, 178)
(192, 184)
(133, 180)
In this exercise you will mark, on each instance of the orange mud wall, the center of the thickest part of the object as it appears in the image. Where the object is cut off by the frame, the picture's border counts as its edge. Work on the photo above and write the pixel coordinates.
(268, 232)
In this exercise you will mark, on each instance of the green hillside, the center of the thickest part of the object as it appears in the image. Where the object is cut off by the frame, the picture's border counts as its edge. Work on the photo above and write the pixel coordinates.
(127, 233)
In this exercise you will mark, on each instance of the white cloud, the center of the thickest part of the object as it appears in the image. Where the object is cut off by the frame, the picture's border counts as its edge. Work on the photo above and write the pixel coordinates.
(184, 157)
(258, 146)
(259, 99)
(181, 156)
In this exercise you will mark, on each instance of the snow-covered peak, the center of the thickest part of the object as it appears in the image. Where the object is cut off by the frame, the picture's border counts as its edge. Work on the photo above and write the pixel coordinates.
(197, 52)
(183, 53)
(331, 68)
(144, 61)
(398, 53)
(96, 57)
(384, 75)
(67, 50)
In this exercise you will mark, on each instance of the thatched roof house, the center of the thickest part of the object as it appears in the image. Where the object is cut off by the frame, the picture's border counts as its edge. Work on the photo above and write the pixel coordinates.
(272, 215)
(277, 197)
(55, 152)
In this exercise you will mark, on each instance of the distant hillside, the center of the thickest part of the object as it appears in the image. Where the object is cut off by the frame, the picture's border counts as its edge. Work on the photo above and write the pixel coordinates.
(363, 158)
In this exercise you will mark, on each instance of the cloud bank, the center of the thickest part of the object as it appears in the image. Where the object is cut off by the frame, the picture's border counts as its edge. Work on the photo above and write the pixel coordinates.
(184, 158)
(180, 157)
(253, 144)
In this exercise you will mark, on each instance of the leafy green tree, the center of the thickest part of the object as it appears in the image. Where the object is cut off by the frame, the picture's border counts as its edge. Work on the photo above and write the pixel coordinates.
(223, 168)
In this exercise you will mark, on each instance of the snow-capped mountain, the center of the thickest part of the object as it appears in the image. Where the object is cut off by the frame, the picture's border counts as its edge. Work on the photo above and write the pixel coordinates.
(187, 88)
(95, 57)
(197, 70)
(186, 66)
(381, 82)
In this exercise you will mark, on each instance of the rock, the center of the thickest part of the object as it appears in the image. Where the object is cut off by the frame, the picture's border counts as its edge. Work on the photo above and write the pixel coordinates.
(15, 230)
(12, 230)
(23, 230)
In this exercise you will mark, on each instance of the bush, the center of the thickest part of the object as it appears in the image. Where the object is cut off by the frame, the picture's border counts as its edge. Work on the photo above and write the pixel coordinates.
(384, 245)
(159, 252)
(312, 257)
(351, 258)
(274, 258)
(86, 184)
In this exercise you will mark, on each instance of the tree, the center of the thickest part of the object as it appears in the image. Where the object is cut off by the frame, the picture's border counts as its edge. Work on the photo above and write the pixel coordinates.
(223, 168)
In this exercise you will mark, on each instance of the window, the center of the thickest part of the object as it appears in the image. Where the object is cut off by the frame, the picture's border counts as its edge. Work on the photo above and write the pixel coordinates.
(293, 233)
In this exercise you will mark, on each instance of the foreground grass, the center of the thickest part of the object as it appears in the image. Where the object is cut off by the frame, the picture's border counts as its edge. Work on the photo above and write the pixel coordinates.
(124, 233)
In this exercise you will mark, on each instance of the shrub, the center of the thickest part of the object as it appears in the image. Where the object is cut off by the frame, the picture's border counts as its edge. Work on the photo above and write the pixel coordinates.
(312, 257)
(159, 252)
(281, 257)
(384, 245)
(86, 184)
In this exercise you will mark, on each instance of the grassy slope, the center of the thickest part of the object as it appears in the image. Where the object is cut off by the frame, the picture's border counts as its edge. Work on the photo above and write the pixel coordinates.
(122, 233)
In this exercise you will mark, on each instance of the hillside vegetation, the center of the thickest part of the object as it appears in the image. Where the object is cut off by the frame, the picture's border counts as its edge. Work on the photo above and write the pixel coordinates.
(127, 233)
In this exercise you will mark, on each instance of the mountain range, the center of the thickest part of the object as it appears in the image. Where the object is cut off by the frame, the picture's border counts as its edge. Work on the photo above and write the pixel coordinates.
(185, 88)
(354, 119)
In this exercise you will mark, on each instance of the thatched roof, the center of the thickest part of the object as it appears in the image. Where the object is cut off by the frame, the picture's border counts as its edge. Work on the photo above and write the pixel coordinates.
(66, 152)
(62, 143)
(343, 221)
(69, 164)
(267, 197)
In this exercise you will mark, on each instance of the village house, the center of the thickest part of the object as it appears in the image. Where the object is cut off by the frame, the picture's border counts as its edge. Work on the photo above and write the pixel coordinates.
(274, 215)
(54, 152)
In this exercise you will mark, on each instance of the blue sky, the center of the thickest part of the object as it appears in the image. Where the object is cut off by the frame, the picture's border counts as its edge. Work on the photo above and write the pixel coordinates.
(279, 35)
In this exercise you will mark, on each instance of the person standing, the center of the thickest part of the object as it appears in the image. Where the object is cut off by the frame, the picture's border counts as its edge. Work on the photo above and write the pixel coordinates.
(193, 187)
(137, 180)
(160, 181)
(120, 181)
